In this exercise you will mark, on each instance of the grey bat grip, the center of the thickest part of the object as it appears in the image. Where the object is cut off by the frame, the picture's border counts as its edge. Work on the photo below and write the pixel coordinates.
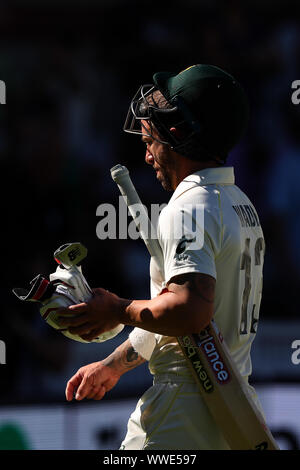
(120, 175)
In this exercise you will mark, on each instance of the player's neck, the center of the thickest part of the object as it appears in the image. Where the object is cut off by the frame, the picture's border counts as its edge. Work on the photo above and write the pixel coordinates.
(186, 167)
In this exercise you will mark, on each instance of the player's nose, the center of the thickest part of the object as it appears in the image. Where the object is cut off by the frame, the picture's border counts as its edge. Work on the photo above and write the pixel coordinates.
(149, 158)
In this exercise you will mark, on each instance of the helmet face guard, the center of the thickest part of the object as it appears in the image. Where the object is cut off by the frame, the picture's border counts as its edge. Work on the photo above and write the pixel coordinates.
(144, 108)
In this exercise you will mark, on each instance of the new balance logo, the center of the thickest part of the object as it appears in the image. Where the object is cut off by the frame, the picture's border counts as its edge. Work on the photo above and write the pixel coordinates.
(73, 254)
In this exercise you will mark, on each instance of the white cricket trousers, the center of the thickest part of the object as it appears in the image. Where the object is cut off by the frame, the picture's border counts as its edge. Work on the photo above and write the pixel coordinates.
(172, 416)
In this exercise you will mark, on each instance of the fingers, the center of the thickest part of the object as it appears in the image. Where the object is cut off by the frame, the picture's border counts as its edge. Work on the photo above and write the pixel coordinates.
(89, 335)
(81, 386)
(72, 315)
(73, 310)
(74, 322)
(88, 390)
(82, 330)
(97, 394)
(81, 325)
(72, 385)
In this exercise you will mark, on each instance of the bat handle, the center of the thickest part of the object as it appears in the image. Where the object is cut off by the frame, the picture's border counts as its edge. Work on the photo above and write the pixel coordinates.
(121, 177)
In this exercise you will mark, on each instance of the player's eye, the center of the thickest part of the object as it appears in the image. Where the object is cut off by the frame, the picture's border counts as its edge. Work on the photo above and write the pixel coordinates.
(147, 141)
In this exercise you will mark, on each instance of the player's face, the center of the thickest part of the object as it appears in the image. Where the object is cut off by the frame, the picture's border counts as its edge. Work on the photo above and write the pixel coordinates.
(159, 156)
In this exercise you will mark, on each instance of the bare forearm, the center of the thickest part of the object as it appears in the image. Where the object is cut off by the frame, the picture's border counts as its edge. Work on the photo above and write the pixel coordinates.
(164, 315)
(187, 307)
(155, 315)
(124, 358)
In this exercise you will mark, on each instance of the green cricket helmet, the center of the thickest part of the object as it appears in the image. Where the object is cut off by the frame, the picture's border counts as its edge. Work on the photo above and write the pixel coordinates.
(205, 102)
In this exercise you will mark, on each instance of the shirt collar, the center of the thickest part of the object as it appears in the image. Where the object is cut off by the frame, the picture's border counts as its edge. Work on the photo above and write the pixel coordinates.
(220, 175)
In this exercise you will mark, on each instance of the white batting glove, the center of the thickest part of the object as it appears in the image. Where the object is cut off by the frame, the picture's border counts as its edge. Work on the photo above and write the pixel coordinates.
(67, 286)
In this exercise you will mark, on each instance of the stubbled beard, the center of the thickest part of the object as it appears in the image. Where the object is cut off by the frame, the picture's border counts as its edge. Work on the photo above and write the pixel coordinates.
(165, 182)
(165, 179)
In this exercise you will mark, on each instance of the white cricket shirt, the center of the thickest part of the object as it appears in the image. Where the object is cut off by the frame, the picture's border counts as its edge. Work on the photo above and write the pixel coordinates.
(210, 226)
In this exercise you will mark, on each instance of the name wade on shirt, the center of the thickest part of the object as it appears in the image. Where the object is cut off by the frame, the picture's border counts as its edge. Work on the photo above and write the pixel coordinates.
(247, 215)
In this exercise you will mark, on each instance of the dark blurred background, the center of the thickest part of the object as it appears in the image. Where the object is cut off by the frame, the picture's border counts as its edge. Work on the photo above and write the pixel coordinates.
(71, 69)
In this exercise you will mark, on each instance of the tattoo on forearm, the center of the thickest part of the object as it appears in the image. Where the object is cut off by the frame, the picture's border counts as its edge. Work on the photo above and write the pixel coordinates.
(131, 355)
(131, 358)
(124, 357)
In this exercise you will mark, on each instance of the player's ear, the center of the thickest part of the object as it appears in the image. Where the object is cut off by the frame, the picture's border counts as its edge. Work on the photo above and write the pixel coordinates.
(177, 133)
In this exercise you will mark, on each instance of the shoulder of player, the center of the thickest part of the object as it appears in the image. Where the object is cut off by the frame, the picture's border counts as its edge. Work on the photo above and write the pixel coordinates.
(200, 205)
(207, 194)
(206, 198)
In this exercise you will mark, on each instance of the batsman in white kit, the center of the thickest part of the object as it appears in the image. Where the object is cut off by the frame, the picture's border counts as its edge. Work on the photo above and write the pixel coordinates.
(212, 248)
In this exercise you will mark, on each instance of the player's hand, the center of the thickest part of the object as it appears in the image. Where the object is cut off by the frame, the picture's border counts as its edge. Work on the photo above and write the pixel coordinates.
(90, 319)
(91, 381)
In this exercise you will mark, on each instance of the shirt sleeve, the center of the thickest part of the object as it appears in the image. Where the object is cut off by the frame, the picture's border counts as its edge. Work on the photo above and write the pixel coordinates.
(190, 238)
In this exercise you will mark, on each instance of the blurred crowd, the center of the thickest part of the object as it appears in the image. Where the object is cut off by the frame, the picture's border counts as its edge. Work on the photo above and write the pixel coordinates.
(70, 74)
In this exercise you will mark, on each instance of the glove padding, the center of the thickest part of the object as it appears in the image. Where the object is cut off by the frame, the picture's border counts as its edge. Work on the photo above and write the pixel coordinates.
(66, 287)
